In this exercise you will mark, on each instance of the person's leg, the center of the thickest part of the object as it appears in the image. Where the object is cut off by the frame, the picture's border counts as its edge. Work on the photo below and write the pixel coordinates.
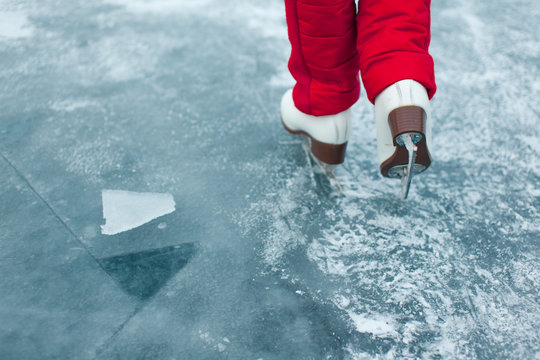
(398, 75)
(393, 41)
(324, 59)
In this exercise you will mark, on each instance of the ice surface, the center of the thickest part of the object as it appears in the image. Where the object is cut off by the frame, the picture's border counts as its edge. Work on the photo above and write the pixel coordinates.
(262, 258)
(14, 25)
(126, 210)
(143, 274)
(54, 300)
(160, 6)
(377, 327)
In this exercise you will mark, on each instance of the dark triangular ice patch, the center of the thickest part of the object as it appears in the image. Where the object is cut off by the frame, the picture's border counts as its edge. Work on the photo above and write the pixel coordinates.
(142, 274)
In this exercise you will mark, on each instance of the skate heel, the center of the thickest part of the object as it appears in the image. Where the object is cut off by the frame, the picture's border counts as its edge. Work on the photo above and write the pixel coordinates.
(407, 121)
(411, 156)
(331, 154)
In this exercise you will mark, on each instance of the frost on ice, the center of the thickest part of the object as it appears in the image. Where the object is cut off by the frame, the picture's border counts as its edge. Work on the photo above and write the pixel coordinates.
(379, 326)
(14, 25)
(125, 210)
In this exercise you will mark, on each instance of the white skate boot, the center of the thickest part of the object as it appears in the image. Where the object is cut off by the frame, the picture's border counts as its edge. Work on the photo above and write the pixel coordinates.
(403, 131)
(329, 134)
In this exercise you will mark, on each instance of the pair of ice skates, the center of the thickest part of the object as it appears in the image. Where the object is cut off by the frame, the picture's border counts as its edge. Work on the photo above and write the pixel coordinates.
(403, 122)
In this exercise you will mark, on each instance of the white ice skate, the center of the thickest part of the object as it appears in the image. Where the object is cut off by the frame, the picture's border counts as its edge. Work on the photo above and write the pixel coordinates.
(324, 138)
(403, 131)
(328, 134)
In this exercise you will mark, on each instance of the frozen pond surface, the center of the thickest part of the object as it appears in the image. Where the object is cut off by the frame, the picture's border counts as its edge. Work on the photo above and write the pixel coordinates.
(261, 258)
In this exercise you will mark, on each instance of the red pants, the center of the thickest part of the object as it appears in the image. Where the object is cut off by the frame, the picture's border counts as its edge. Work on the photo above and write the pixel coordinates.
(386, 41)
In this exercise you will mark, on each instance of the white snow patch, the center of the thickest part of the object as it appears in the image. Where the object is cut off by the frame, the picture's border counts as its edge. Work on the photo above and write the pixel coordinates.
(71, 105)
(342, 302)
(377, 326)
(356, 354)
(126, 210)
(532, 142)
(14, 24)
(162, 226)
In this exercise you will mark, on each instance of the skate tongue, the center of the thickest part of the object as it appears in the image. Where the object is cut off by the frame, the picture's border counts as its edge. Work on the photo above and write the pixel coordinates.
(408, 172)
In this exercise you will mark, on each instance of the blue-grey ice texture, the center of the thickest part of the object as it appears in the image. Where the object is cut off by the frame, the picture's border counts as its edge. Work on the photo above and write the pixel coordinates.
(261, 259)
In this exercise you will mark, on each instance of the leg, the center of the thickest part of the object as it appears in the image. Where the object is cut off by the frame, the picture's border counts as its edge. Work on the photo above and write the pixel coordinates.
(324, 59)
(393, 41)
(398, 74)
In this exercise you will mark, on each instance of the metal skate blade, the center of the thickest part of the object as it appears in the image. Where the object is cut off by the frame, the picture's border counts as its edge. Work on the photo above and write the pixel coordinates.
(330, 174)
(327, 169)
(408, 171)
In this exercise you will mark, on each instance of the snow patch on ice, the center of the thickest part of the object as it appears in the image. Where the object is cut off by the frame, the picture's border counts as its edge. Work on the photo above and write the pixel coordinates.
(162, 226)
(210, 340)
(14, 24)
(71, 105)
(356, 354)
(377, 325)
(276, 208)
(126, 210)
(533, 143)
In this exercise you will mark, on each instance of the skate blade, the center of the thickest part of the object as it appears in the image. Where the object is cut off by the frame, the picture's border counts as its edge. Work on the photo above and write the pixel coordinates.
(326, 169)
(409, 141)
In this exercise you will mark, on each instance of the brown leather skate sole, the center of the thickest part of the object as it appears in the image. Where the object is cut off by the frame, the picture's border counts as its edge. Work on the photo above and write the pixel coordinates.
(402, 120)
(328, 153)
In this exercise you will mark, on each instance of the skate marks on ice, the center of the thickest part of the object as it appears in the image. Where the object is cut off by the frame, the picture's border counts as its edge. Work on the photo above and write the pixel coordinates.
(408, 282)
(126, 210)
(424, 278)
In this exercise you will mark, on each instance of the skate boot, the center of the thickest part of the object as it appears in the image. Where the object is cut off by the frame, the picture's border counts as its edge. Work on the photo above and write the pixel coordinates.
(328, 134)
(403, 131)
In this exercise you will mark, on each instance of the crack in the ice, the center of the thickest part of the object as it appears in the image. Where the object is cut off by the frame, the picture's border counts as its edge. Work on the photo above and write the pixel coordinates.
(68, 228)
